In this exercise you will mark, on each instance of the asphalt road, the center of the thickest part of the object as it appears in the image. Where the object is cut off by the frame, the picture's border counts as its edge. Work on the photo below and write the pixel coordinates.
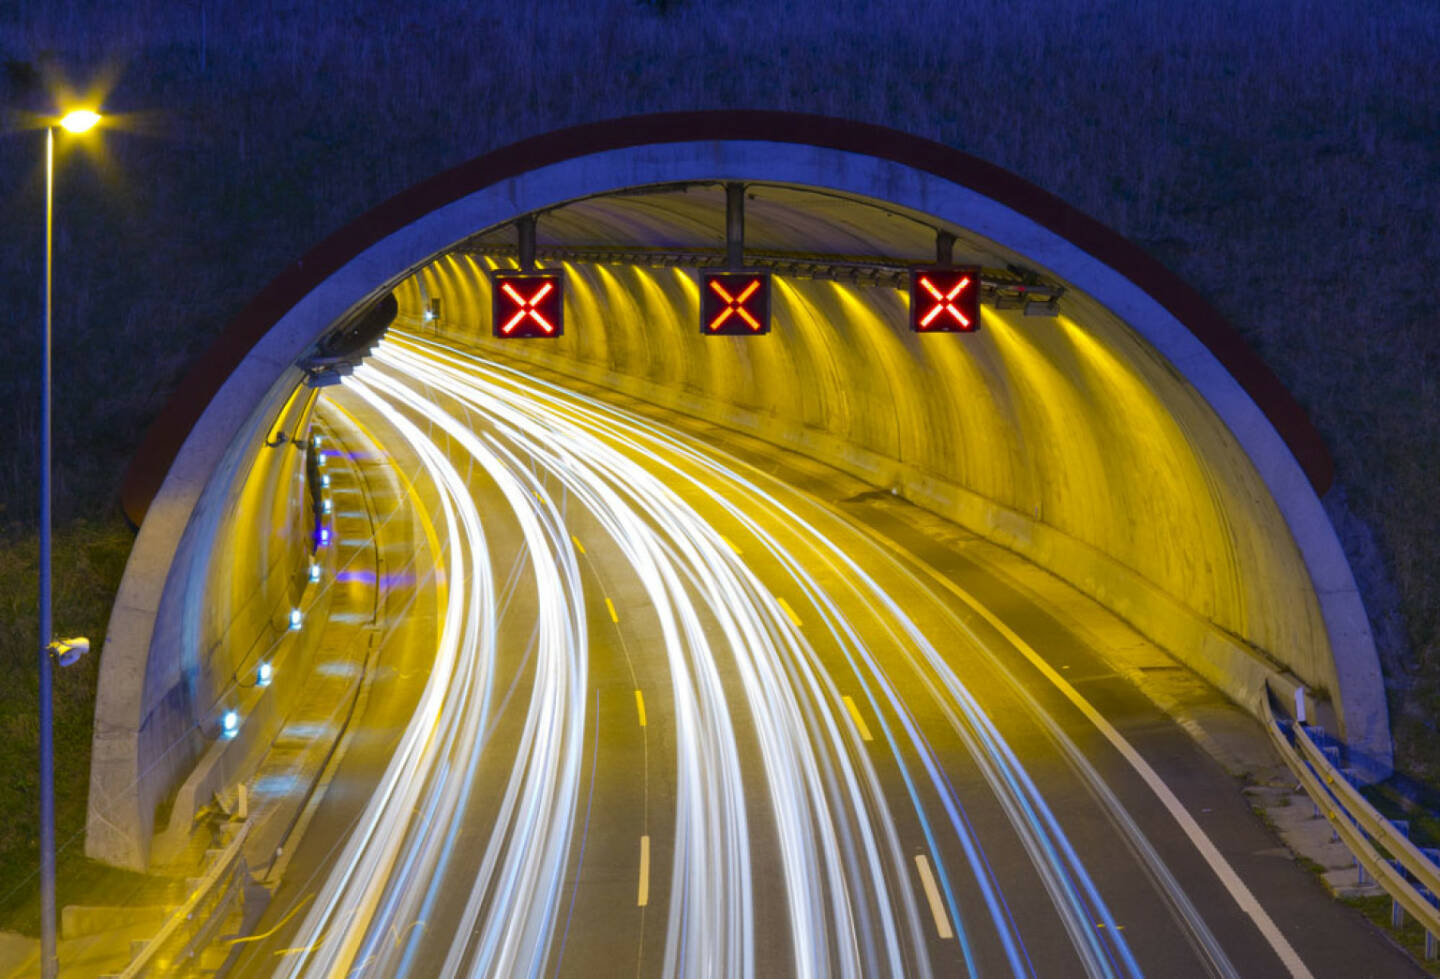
(651, 707)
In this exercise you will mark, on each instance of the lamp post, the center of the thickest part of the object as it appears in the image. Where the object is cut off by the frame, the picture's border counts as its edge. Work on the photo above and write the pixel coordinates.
(66, 651)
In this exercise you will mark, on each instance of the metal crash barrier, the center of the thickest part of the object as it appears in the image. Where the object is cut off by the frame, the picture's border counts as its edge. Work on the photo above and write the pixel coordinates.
(192, 926)
(1382, 849)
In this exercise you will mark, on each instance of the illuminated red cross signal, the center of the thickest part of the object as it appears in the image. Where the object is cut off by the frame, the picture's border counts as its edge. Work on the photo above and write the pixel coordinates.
(734, 303)
(527, 304)
(945, 300)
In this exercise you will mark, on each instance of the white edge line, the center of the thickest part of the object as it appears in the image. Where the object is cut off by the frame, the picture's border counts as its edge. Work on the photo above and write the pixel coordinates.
(1236, 887)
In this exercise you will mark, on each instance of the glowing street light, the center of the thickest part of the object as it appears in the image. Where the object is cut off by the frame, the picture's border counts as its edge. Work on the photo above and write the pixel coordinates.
(79, 121)
(51, 651)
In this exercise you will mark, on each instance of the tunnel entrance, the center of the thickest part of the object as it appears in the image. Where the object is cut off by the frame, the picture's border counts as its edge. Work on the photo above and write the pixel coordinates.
(1127, 442)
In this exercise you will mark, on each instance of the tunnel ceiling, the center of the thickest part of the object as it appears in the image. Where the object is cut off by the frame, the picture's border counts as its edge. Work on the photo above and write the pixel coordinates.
(777, 219)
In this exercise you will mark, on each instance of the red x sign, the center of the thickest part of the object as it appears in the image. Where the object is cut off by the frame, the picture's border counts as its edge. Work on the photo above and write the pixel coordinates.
(945, 300)
(734, 303)
(528, 304)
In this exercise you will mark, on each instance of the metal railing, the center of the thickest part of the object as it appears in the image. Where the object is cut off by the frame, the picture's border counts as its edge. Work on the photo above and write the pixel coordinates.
(192, 925)
(1381, 848)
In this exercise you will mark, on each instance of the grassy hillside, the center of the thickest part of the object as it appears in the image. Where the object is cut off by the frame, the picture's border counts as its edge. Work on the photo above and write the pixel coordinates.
(1283, 156)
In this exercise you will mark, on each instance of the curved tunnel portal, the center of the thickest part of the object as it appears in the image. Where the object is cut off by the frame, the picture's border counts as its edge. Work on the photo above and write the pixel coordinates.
(1126, 441)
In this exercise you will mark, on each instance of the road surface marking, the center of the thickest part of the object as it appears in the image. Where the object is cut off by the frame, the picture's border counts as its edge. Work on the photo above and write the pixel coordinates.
(789, 611)
(932, 894)
(859, 721)
(611, 606)
(643, 897)
(1212, 855)
(578, 546)
(640, 707)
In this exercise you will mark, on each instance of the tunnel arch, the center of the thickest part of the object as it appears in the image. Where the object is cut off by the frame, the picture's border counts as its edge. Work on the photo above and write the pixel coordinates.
(1159, 335)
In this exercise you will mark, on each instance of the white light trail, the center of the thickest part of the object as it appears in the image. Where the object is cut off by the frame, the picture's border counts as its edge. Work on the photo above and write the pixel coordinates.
(744, 663)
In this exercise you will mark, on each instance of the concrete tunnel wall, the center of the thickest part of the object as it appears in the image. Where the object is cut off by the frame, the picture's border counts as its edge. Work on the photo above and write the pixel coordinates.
(1172, 358)
(239, 569)
(1076, 444)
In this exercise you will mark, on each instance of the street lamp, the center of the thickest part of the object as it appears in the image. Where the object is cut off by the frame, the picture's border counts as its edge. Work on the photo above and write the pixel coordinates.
(64, 651)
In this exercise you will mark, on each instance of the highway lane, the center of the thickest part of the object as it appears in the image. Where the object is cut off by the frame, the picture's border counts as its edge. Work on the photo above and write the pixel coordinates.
(686, 718)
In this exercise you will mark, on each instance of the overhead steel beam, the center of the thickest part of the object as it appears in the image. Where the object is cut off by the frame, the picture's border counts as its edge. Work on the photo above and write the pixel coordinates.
(1012, 288)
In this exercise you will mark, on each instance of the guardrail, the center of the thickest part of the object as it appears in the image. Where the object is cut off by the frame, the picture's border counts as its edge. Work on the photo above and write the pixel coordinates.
(192, 925)
(1380, 847)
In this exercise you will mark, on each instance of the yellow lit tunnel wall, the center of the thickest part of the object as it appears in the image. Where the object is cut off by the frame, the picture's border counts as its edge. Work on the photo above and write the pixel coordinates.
(1068, 440)
(226, 611)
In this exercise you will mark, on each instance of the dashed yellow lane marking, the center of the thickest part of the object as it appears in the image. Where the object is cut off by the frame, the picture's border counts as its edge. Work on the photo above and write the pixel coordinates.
(932, 895)
(859, 721)
(642, 898)
(640, 707)
(790, 612)
(611, 607)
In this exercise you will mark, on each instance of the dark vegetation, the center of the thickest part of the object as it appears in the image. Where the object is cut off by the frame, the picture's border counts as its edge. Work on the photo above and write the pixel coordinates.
(1410, 936)
(1284, 157)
